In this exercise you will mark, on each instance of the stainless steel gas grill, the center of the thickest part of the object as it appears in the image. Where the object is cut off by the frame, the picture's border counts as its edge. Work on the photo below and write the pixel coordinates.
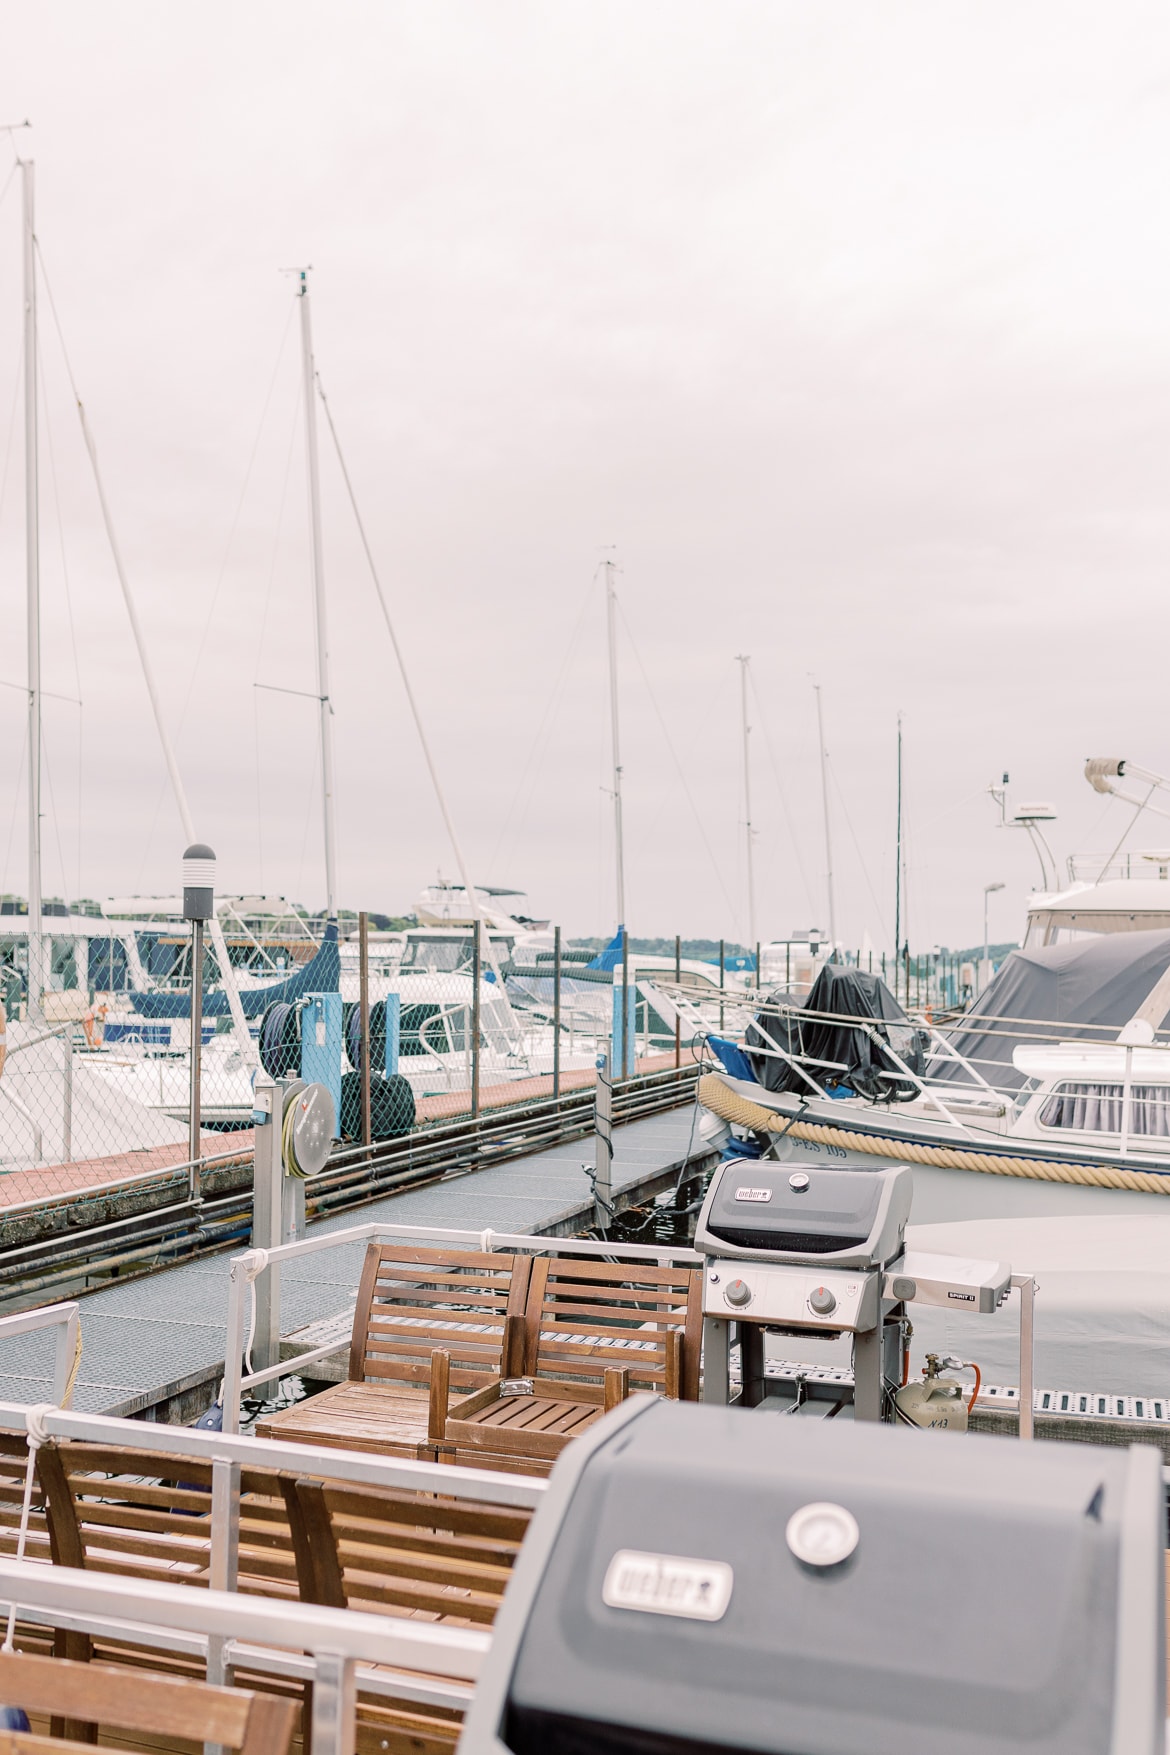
(800, 1252)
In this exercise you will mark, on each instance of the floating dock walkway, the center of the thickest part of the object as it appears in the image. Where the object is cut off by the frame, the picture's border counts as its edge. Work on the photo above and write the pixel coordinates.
(155, 1346)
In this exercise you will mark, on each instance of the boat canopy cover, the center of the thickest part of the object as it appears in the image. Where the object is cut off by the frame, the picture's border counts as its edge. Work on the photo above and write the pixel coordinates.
(1054, 993)
(322, 974)
(819, 1031)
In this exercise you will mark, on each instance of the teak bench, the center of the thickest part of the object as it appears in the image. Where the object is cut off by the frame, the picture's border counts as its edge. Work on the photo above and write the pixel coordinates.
(147, 1515)
(78, 1698)
(593, 1331)
(410, 1302)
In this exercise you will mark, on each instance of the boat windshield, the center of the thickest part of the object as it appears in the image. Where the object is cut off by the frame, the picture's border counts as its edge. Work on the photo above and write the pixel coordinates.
(439, 956)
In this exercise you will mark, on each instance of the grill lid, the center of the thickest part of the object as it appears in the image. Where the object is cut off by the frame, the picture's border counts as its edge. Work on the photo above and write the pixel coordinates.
(769, 1212)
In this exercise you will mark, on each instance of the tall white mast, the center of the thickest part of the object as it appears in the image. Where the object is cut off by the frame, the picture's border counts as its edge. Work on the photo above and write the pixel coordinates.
(37, 975)
(619, 853)
(828, 827)
(326, 705)
(743, 663)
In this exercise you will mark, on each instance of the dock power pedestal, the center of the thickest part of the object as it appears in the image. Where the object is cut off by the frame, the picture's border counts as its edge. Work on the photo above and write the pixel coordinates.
(795, 1252)
(694, 1580)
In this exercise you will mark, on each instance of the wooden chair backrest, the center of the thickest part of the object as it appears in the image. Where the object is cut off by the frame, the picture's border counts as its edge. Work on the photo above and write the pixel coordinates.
(139, 1513)
(153, 1706)
(584, 1315)
(412, 1301)
(383, 1549)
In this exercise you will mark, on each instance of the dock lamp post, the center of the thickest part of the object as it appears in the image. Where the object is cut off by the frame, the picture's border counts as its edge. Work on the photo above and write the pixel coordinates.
(984, 968)
(198, 908)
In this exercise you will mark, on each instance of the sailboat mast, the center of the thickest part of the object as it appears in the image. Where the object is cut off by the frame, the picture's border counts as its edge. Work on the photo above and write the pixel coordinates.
(828, 827)
(615, 738)
(326, 706)
(898, 866)
(37, 981)
(743, 663)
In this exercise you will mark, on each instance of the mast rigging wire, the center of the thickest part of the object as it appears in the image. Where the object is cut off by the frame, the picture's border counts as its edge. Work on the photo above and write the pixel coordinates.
(678, 765)
(469, 889)
(243, 1037)
(775, 766)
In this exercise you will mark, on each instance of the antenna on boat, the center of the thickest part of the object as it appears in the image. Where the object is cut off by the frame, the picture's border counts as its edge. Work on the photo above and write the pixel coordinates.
(324, 703)
(898, 867)
(744, 662)
(828, 828)
(615, 739)
(37, 980)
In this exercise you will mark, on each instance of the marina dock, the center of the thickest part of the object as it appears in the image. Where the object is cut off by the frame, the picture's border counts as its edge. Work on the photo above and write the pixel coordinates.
(154, 1347)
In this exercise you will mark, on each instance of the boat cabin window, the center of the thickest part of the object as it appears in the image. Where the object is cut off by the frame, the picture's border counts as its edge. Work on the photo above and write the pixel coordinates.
(1093, 1108)
(1150, 1111)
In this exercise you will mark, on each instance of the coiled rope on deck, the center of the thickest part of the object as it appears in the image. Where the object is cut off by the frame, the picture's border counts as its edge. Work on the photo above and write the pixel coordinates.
(717, 1096)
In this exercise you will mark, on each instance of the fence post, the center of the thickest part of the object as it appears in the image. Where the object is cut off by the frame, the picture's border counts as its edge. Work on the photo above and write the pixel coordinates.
(625, 1066)
(557, 1012)
(476, 962)
(364, 1000)
(603, 1136)
(67, 1118)
(678, 983)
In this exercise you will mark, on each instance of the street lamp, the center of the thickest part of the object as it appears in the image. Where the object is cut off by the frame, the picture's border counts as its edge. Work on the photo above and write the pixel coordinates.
(984, 971)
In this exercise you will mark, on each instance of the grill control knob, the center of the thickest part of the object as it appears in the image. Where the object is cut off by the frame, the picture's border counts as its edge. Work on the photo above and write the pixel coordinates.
(822, 1302)
(738, 1292)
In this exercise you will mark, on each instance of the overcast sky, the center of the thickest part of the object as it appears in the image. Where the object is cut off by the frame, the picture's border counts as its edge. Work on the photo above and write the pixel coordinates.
(847, 327)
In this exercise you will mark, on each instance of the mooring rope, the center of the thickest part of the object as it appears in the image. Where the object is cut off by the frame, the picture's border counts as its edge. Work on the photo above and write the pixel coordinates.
(716, 1095)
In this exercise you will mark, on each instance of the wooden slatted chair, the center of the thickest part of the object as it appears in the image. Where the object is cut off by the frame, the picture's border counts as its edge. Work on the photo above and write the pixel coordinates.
(594, 1331)
(408, 1554)
(89, 1695)
(410, 1302)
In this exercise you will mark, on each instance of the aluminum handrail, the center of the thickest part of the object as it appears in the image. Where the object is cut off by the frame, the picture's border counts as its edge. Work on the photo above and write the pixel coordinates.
(335, 1639)
(67, 1317)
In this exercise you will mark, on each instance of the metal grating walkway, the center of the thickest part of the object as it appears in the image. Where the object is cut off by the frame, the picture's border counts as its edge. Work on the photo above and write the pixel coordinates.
(157, 1336)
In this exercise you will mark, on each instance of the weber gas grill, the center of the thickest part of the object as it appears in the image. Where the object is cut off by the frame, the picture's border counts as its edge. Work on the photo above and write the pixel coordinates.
(695, 1580)
(800, 1251)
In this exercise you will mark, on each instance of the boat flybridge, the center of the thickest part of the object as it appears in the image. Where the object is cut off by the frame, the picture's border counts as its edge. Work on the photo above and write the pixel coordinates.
(1124, 892)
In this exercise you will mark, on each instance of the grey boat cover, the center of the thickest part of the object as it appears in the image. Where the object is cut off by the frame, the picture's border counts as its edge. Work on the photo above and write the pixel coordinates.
(1055, 993)
(820, 1030)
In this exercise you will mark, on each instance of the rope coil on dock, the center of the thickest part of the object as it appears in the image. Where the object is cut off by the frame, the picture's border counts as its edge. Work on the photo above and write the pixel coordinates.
(716, 1095)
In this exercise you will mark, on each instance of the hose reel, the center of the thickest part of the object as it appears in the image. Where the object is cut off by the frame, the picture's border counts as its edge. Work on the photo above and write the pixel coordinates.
(308, 1125)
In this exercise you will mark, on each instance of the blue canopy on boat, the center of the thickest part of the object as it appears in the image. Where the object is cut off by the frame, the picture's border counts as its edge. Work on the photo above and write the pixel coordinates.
(322, 974)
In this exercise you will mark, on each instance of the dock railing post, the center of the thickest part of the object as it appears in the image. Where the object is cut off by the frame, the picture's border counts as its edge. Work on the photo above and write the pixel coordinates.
(603, 1134)
(624, 1071)
(223, 1564)
(1027, 1289)
(268, 1217)
(722, 980)
(556, 1076)
(678, 984)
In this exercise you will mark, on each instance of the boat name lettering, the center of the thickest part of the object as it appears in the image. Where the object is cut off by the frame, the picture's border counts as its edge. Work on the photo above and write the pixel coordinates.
(753, 1194)
(962, 1297)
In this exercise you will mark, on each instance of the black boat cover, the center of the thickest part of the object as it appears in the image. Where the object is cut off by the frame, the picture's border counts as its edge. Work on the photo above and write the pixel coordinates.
(818, 1030)
(1054, 993)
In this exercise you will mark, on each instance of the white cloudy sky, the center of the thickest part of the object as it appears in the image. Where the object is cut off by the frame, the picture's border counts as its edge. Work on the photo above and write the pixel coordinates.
(848, 326)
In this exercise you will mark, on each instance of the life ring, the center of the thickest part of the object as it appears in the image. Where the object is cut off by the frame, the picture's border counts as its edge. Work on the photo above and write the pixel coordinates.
(3, 1034)
(92, 1024)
